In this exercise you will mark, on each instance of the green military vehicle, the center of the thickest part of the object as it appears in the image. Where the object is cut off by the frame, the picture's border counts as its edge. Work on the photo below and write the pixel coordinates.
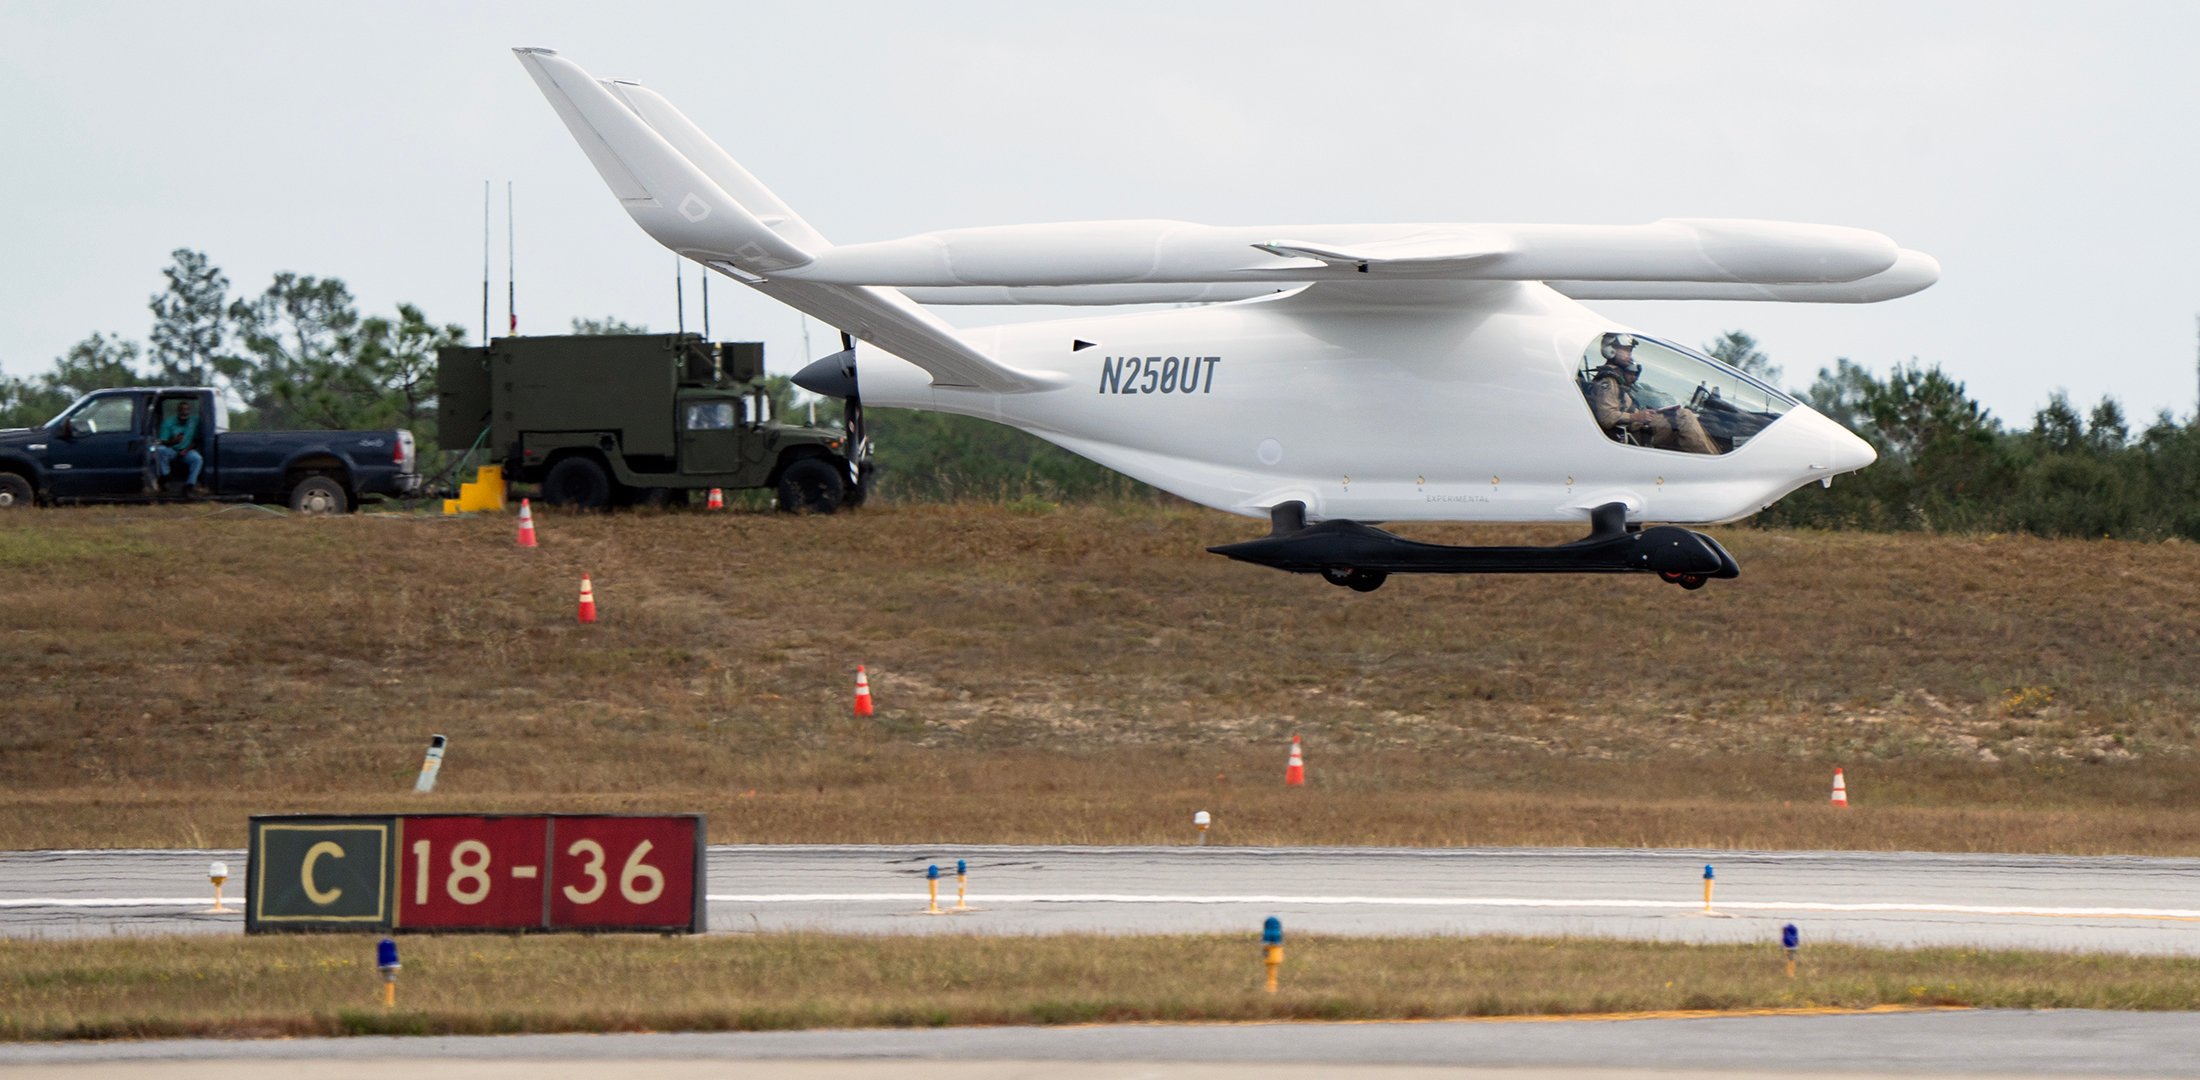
(616, 420)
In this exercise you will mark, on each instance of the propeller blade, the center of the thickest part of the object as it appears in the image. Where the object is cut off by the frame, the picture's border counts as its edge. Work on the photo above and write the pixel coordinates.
(859, 436)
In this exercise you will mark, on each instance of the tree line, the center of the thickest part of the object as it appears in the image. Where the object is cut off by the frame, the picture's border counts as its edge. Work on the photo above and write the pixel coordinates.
(300, 354)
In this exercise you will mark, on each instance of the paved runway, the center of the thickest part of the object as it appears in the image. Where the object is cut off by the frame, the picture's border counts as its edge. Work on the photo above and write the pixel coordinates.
(2007, 1043)
(2123, 904)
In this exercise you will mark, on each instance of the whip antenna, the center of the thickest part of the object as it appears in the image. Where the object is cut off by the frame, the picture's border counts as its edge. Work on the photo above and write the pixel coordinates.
(484, 262)
(511, 289)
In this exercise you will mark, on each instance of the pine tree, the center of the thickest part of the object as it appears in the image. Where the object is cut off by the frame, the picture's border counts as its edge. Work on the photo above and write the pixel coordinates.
(189, 320)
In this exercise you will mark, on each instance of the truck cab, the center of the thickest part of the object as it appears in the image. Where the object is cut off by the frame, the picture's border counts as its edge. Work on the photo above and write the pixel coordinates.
(101, 446)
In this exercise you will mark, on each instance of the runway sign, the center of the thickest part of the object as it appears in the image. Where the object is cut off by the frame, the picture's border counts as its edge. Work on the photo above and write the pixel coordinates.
(471, 872)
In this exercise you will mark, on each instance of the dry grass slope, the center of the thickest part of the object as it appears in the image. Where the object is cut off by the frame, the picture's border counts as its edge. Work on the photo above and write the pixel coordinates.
(1087, 675)
(174, 987)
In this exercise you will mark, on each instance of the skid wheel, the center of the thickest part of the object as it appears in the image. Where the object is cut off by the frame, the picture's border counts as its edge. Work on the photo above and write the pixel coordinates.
(1354, 578)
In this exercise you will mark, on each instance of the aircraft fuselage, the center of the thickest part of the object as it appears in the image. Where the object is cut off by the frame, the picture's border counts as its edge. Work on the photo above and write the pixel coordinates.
(1470, 412)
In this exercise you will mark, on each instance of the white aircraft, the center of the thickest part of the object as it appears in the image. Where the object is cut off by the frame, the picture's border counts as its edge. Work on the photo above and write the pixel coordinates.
(1322, 375)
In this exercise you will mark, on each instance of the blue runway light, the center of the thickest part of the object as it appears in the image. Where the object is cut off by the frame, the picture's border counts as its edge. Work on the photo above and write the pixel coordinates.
(961, 868)
(1271, 932)
(1790, 937)
(1707, 871)
(385, 954)
(932, 873)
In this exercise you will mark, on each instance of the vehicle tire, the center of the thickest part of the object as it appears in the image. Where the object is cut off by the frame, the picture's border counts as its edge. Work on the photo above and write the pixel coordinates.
(810, 484)
(577, 482)
(16, 491)
(319, 494)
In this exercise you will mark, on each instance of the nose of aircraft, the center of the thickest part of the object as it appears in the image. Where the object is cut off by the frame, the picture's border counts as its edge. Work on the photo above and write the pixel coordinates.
(1850, 453)
(1844, 452)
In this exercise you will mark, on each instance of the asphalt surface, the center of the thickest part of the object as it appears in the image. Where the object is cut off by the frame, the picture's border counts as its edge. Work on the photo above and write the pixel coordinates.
(2116, 904)
(2005, 1043)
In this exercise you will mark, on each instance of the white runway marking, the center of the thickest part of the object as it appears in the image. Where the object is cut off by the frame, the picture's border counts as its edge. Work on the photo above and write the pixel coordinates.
(1296, 901)
(97, 901)
(1464, 901)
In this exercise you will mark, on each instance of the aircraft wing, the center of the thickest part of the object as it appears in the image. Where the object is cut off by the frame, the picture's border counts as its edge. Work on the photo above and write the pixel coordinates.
(1913, 271)
(1094, 253)
(695, 199)
(1093, 295)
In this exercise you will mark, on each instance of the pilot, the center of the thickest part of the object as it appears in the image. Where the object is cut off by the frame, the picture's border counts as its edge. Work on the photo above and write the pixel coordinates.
(1612, 398)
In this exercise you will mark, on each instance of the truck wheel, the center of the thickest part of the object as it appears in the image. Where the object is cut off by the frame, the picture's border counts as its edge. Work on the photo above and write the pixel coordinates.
(810, 484)
(15, 491)
(318, 494)
(577, 482)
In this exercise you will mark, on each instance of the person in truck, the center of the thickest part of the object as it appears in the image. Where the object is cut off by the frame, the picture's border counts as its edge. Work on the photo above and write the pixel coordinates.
(178, 437)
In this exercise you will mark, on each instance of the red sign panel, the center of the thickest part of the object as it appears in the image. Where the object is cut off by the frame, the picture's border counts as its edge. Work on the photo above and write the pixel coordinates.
(623, 872)
(480, 873)
(549, 872)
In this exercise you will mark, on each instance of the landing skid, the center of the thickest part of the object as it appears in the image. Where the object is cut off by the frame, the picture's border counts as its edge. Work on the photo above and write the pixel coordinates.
(1362, 557)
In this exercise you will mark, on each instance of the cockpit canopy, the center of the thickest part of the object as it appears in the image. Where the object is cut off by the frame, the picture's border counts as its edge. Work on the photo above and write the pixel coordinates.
(1646, 392)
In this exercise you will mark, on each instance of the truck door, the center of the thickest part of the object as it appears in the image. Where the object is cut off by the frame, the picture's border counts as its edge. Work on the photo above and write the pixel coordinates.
(710, 436)
(98, 448)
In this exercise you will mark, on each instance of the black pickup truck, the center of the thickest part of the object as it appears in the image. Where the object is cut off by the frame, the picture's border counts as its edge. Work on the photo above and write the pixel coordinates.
(101, 450)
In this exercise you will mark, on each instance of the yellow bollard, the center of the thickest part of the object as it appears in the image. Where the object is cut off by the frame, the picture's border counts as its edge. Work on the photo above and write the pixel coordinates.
(385, 961)
(1271, 937)
(218, 874)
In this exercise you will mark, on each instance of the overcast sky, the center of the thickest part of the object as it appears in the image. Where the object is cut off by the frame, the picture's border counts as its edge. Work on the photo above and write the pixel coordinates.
(2046, 154)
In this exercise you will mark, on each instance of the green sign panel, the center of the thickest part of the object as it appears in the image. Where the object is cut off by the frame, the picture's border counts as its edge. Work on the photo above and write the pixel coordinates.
(312, 873)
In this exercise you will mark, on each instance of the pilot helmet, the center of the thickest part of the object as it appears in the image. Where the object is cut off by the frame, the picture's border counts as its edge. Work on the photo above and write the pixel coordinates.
(1613, 343)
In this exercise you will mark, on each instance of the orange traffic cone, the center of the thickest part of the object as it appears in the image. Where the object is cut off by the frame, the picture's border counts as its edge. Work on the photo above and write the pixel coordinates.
(1294, 774)
(717, 500)
(526, 524)
(863, 692)
(588, 600)
(1840, 791)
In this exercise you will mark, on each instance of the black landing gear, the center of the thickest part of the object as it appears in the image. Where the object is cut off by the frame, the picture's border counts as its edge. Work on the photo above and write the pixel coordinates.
(1361, 557)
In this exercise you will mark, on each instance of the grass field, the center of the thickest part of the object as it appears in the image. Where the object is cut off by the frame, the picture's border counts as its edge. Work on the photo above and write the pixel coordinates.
(259, 987)
(1087, 675)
